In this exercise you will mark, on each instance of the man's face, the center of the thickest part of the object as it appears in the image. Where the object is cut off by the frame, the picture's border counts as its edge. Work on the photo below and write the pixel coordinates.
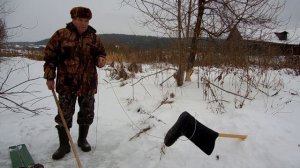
(81, 24)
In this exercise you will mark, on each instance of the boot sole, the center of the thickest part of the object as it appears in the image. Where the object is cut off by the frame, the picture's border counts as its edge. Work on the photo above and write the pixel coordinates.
(58, 158)
(85, 149)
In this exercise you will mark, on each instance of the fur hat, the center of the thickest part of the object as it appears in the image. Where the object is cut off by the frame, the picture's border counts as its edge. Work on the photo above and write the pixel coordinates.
(81, 12)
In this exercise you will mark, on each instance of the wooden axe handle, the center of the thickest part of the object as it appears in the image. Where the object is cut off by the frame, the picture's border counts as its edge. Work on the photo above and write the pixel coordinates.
(75, 152)
(241, 137)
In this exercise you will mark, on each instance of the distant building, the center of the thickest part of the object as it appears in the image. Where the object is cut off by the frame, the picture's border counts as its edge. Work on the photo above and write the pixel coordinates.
(234, 35)
(280, 43)
(282, 36)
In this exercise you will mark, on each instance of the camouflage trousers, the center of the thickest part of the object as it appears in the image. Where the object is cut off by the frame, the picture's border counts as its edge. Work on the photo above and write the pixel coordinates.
(85, 115)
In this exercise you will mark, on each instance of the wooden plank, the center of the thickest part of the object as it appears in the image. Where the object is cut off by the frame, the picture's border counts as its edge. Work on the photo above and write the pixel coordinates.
(20, 156)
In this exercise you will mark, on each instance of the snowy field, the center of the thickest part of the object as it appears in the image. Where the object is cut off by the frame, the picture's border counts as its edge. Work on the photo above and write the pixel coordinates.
(271, 123)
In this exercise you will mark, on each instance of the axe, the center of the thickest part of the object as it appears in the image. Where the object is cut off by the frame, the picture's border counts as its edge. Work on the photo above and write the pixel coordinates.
(199, 134)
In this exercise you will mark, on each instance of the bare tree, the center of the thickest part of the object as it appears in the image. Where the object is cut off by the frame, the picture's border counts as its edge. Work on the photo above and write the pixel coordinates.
(5, 10)
(3, 33)
(3, 30)
(188, 20)
(12, 95)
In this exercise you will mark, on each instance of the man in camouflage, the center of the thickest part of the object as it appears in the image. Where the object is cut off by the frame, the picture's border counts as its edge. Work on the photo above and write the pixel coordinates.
(74, 52)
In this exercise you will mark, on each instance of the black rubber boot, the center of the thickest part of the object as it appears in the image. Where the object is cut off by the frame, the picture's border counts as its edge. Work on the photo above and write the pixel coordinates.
(82, 142)
(64, 146)
(175, 131)
(199, 134)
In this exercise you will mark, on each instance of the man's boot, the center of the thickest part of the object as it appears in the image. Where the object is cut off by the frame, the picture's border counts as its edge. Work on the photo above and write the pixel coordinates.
(199, 134)
(64, 146)
(82, 142)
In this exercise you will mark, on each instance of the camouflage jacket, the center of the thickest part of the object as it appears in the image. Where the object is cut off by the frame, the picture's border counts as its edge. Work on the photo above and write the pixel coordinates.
(75, 58)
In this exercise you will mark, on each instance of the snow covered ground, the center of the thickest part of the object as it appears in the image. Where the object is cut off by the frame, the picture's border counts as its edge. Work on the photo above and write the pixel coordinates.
(271, 123)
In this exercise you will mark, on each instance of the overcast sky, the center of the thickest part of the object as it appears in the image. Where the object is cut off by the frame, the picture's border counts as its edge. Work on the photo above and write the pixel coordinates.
(44, 17)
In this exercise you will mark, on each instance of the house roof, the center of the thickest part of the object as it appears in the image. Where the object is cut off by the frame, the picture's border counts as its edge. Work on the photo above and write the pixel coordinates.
(234, 35)
(293, 36)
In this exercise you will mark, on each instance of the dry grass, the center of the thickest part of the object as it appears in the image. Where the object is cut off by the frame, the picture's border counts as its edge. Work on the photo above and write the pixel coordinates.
(246, 66)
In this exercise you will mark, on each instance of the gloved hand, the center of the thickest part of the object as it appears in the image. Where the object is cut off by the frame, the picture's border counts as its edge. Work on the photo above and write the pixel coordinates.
(50, 84)
(101, 62)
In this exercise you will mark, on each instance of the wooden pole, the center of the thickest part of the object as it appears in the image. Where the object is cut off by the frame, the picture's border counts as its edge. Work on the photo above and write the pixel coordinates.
(75, 152)
(241, 137)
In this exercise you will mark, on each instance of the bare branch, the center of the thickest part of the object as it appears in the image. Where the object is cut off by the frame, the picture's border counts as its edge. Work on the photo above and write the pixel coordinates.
(139, 133)
(208, 82)
(35, 111)
(151, 75)
(17, 85)
(7, 76)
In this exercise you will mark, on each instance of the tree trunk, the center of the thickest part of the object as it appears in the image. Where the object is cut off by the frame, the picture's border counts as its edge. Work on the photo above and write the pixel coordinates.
(196, 34)
(179, 76)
